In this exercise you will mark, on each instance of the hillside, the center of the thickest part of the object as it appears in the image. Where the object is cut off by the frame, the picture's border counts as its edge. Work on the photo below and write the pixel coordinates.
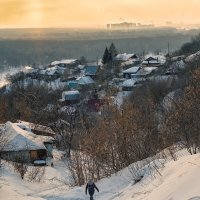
(138, 111)
(177, 180)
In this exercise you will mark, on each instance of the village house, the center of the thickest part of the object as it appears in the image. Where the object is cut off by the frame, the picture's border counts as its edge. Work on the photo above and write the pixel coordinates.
(151, 62)
(143, 72)
(85, 80)
(70, 97)
(36, 128)
(91, 70)
(70, 63)
(131, 71)
(126, 57)
(22, 145)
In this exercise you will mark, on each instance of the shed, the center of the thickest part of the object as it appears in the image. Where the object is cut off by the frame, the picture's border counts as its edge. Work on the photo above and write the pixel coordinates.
(85, 80)
(70, 97)
(23, 145)
(150, 61)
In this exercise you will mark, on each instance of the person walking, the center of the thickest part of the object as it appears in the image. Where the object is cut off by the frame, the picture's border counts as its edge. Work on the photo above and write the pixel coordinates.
(90, 188)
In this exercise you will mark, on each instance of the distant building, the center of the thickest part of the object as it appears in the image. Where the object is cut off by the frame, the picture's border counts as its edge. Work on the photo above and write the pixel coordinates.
(124, 25)
(126, 57)
(129, 72)
(66, 63)
(91, 70)
(85, 80)
(151, 62)
(36, 128)
(70, 97)
(143, 73)
(128, 25)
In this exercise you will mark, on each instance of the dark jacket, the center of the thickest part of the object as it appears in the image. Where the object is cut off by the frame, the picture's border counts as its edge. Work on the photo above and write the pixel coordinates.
(90, 187)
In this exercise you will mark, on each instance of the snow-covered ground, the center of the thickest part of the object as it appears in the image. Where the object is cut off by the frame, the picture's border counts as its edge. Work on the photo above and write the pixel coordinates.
(176, 180)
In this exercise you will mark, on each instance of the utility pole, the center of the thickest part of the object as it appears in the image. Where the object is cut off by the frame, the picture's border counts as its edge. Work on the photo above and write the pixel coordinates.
(168, 48)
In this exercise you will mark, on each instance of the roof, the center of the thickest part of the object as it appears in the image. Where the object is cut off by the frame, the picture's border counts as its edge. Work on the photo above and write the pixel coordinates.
(145, 71)
(72, 92)
(36, 127)
(151, 59)
(125, 56)
(64, 61)
(130, 62)
(154, 59)
(132, 70)
(85, 80)
(73, 95)
(19, 139)
(91, 69)
(72, 84)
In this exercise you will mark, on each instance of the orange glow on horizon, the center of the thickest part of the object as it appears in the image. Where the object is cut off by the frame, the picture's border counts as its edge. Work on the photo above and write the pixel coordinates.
(94, 13)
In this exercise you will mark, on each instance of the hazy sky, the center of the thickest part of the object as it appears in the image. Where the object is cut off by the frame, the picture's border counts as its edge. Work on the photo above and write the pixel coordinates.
(88, 13)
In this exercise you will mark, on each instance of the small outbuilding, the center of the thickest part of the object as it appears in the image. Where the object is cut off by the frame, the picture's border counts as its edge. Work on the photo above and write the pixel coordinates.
(70, 97)
(22, 145)
(151, 62)
(91, 70)
(128, 72)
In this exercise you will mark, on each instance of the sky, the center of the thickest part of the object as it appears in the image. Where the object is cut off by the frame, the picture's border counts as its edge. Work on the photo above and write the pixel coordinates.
(95, 13)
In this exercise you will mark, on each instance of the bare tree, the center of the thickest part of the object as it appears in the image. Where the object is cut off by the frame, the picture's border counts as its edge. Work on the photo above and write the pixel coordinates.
(182, 123)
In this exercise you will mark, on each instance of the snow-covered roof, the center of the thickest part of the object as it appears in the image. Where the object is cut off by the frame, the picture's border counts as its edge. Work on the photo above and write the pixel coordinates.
(124, 56)
(72, 92)
(132, 70)
(72, 95)
(85, 80)
(64, 61)
(145, 71)
(130, 62)
(146, 62)
(37, 127)
(129, 83)
(154, 59)
(19, 139)
(91, 69)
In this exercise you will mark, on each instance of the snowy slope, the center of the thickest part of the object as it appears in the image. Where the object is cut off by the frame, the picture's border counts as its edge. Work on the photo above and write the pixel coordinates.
(178, 180)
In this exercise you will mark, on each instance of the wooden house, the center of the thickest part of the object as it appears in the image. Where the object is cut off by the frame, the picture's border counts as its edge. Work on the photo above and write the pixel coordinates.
(128, 72)
(22, 145)
(151, 62)
(70, 97)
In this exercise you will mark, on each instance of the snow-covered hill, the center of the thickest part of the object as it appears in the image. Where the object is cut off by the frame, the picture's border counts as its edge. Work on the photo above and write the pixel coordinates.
(178, 180)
